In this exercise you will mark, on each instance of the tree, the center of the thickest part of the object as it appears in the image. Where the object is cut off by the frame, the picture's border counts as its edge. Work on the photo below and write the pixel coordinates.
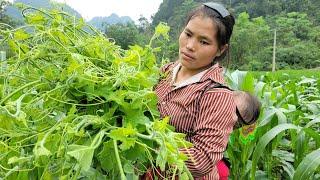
(251, 43)
(3, 17)
(123, 34)
(252, 40)
(8, 21)
(144, 24)
(297, 39)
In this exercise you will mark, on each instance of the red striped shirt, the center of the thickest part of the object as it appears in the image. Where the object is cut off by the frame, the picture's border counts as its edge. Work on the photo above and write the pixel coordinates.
(206, 118)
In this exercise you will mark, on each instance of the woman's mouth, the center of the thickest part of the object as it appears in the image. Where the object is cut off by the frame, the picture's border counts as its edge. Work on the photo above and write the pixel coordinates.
(187, 56)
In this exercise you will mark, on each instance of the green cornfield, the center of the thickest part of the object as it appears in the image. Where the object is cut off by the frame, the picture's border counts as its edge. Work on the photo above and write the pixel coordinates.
(286, 141)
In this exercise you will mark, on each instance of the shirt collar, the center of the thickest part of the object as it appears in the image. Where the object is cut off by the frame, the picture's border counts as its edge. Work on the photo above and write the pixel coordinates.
(191, 80)
(214, 73)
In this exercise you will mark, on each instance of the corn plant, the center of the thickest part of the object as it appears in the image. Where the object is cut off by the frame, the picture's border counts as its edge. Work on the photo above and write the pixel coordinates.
(285, 143)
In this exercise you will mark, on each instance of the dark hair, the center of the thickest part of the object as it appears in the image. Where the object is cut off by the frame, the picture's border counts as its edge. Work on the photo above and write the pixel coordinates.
(224, 26)
(251, 111)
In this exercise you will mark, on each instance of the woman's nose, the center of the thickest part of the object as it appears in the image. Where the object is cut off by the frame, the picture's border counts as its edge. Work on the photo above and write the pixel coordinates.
(191, 45)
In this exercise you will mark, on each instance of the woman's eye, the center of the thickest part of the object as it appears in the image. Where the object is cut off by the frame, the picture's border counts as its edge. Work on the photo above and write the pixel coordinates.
(188, 34)
(204, 42)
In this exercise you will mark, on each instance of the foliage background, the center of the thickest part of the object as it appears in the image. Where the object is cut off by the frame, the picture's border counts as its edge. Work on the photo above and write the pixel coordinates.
(296, 22)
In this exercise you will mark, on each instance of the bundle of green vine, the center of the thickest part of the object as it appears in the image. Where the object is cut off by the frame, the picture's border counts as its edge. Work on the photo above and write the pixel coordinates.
(76, 106)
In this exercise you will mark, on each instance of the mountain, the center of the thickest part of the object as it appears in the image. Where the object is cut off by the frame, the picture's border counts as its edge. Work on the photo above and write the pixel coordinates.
(101, 22)
(15, 13)
(98, 22)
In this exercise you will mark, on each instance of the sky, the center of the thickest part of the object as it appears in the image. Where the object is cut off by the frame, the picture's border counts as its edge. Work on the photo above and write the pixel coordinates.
(133, 8)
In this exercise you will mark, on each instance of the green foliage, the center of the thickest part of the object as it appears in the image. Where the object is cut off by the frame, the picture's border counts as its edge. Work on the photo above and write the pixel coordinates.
(297, 44)
(308, 165)
(284, 75)
(76, 106)
(296, 23)
(247, 48)
(286, 141)
(257, 8)
(3, 17)
(124, 35)
(5, 21)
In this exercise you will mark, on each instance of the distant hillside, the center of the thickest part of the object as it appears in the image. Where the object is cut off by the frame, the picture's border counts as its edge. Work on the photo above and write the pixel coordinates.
(101, 22)
(173, 11)
(98, 22)
(15, 13)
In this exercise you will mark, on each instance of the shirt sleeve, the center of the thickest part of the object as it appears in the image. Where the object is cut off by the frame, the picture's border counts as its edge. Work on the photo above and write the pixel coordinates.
(212, 128)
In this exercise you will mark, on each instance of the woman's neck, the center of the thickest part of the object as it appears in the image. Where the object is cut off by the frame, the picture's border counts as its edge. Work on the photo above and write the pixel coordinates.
(185, 73)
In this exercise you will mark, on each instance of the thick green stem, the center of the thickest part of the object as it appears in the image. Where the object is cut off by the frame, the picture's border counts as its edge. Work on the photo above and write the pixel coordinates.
(16, 91)
(174, 173)
(123, 177)
(151, 40)
(36, 9)
(188, 172)
(150, 137)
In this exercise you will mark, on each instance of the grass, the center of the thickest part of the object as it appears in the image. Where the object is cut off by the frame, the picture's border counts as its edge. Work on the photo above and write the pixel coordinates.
(288, 74)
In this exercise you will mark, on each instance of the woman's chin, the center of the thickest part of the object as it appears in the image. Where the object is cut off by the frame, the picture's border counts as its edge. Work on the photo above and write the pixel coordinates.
(188, 65)
(185, 62)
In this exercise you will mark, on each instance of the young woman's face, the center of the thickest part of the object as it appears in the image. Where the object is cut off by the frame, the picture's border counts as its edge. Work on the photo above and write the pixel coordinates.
(198, 45)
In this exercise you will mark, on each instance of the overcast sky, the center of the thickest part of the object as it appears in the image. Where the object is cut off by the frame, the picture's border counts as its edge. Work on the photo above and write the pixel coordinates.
(133, 8)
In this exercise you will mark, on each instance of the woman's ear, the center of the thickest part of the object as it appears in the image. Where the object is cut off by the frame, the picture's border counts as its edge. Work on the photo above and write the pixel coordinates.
(223, 49)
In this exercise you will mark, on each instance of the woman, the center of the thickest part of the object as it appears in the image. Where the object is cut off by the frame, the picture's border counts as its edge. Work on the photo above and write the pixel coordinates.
(205, 115)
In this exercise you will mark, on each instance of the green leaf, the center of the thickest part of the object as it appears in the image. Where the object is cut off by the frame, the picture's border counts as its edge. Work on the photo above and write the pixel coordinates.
(161, 125)
(308, 165)
(162, 29)
(135, 116)
(84, 154)
(107, 157)
(281, 116)
(16, 159)
(236, 78)
(40, 150)
(125, 135)
(267, 116)
(184, 176)
(127, 143)
(21, 35)
(128, 167)
(247, 83)
(162, 158)
(264, 140)
(36, 18)
(314, 121)
(122, 133)
(307, 81)
(288, 168)
(314, 134)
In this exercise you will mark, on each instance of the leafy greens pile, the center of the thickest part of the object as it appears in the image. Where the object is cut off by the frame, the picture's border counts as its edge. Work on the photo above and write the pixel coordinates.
(75, 105)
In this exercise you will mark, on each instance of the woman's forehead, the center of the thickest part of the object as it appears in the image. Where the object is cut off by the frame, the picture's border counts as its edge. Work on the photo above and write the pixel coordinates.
(202, 25)
(204, 20)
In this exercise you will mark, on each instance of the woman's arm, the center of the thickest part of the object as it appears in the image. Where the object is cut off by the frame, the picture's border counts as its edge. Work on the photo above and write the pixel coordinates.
(211, 131)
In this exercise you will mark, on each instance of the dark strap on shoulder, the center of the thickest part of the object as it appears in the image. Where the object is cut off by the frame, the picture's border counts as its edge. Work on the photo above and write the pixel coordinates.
(217, 85)
(212, 85)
